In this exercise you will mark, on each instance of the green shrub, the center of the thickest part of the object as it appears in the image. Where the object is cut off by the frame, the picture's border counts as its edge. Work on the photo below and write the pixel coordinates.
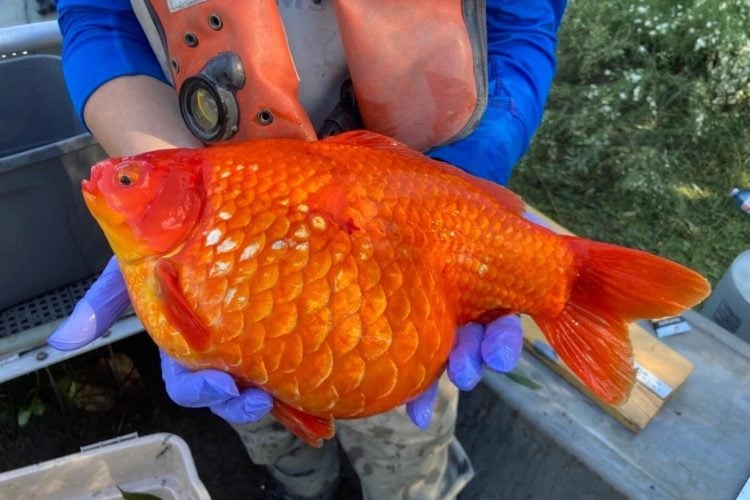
(646, 129)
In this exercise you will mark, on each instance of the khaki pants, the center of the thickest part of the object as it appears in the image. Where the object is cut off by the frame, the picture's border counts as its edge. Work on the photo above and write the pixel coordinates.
(393, 458)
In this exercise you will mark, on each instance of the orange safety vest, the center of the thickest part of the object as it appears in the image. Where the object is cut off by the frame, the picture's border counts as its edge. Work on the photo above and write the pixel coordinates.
(418, 68)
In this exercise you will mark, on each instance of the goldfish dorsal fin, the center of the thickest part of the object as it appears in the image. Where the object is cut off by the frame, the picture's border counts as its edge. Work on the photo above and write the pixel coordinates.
(503, 195)
(506, 197)
(366, 138)
(176, 307)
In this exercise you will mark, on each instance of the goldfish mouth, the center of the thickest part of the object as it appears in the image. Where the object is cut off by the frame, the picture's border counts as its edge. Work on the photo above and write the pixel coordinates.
(110, 221)
(91, 186)
(87, 187)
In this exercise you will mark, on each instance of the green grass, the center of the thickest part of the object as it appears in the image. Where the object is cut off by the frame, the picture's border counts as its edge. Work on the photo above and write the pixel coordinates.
(648, 128)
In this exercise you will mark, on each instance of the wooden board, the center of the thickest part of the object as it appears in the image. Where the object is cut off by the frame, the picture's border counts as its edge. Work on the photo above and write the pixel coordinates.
(649, 353)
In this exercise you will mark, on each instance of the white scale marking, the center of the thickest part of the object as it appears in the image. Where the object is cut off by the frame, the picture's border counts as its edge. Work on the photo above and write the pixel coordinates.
(220, 268)
(319, 222)
(213, 237)
(227, 246)
(249, 251)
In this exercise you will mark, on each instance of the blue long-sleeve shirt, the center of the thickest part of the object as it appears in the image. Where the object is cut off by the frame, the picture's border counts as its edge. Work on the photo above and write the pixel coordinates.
(103, 40)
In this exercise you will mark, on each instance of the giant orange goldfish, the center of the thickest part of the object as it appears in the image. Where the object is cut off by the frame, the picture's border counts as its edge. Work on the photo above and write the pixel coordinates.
(333, 274)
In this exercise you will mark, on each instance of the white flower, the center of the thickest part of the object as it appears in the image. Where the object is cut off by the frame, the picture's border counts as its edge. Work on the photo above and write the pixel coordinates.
(633, 76)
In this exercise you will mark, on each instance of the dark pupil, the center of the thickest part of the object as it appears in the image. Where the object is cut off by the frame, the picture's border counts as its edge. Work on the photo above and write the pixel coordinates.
(125, 180)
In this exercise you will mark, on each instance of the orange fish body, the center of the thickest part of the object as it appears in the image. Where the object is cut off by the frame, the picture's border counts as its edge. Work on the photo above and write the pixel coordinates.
(334, 274)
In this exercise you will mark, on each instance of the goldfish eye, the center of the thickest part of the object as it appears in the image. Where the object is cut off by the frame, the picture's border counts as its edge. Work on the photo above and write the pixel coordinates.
(127, 174)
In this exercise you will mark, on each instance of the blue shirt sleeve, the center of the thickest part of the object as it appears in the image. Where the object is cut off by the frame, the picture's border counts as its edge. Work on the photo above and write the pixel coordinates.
(102, 40)
(521, 43)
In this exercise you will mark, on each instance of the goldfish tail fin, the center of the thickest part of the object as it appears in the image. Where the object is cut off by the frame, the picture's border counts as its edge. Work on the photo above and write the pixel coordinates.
(615, 286)
(309, 428)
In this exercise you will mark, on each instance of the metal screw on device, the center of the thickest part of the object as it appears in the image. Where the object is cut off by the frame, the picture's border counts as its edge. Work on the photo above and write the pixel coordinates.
(191, 39)
(215, 22)
(264, 117)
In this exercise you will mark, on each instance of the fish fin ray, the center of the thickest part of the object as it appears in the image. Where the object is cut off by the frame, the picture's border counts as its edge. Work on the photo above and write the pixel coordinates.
(309, 428)
(510, 200)
(367, 138)
(506, 197)
(614, 286)
(176, 308)
(596, 347)
(633, 283)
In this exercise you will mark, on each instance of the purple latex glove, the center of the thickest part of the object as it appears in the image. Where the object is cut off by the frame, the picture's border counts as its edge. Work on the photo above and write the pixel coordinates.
(498, 345)
(95, 313)
(216, 390)
(105, 301)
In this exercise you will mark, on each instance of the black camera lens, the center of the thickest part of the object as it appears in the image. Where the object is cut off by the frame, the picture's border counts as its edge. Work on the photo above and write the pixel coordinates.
(202, 108)
(207, 99)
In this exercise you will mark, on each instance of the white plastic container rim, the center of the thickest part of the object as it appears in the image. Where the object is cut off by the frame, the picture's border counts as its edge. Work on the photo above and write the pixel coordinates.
(159, 464)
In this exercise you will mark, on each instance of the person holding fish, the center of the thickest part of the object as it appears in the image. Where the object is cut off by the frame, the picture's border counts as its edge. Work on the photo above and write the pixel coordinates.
(465, 81)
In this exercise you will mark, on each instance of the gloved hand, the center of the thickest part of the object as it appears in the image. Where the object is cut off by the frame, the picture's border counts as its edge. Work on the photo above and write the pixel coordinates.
(498, 345)
(216, 390)
(105, 301)
(95, 313)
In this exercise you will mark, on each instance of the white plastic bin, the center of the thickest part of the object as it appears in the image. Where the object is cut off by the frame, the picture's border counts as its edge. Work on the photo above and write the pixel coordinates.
(160, 464)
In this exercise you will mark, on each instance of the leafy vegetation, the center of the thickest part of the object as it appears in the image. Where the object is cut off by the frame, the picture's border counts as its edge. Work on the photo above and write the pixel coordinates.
(648, 128)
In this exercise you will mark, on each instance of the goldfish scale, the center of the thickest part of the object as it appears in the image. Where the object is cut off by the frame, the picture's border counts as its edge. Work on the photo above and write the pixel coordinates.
(260, 306)
(346, 302)
(284, 319)
(290, 285)
(377, 338)
(405, 344)
(229, 327)
(314, 328)
(294, 354)
(316, 369)
(286, 386)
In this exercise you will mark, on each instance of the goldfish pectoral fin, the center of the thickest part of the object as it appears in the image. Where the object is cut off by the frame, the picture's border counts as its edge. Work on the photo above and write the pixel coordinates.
(310, 429)
(176, 308)
(613, 286)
